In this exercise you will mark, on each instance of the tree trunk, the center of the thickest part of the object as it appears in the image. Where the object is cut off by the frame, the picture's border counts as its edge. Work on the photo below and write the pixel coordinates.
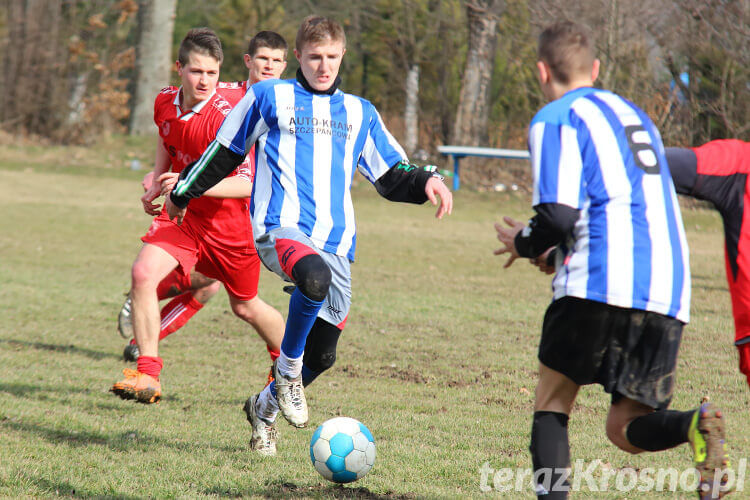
(30, 79)
(411, 109)
(152, 60)
(473, 108)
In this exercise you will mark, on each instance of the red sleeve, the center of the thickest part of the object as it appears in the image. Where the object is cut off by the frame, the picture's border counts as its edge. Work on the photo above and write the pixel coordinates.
(723, 157)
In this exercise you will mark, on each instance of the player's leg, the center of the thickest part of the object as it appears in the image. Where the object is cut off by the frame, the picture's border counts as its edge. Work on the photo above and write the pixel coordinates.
(166, 246)
(239, 270)
(638, 419)
(319, 353)
(572, 350)
(549, 446)
(319, 356)
(151, 265)
(266, 320)
(178, 311)
(174, 284)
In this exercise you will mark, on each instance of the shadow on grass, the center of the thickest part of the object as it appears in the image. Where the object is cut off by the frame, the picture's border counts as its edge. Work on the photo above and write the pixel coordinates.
(127, 440)
(90, 353)
(290, 490)
(57, 488)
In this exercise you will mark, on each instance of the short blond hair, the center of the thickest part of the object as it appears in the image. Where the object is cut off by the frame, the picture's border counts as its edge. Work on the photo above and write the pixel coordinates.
(316, 29)
(566, 48)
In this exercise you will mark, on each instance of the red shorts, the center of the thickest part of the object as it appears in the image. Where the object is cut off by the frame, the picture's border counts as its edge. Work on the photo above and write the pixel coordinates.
(237, 267)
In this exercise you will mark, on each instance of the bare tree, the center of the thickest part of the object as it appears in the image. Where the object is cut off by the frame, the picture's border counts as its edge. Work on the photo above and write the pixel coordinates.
(152, 61)
(473, 108)
(31, 63)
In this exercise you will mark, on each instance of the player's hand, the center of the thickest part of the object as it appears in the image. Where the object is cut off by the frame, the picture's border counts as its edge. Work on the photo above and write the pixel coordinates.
(507, 236)
(148, 198)
(435, 188)
(167, 182)
(173, 211)
(543, 261)
(147, 181)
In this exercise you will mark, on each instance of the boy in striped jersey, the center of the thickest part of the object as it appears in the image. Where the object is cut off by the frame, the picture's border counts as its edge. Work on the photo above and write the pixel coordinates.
(604, 196)
(310, 140)
(265, 59)
(216, 239)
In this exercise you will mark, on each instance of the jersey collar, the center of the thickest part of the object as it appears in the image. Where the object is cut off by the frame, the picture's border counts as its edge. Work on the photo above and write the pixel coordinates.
(330, 91)
(195, 110)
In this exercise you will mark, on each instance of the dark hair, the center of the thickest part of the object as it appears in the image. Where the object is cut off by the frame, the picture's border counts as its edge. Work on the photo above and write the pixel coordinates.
(268, 39)
(315, 29)
(203, 41)
(566, 48)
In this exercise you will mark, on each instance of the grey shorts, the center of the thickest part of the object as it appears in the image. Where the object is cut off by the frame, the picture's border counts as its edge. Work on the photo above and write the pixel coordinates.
(339, 299)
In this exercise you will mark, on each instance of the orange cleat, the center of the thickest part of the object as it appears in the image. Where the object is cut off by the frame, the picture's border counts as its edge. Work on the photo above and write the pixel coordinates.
(139, 386)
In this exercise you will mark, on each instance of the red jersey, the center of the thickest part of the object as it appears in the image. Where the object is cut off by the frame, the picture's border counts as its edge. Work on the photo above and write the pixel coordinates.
(186, 134)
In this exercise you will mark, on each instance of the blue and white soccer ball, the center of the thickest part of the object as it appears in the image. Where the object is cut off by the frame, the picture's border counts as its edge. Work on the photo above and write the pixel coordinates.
(342, 450)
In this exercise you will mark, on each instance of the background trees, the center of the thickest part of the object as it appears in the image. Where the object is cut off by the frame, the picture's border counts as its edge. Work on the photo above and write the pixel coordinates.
(440, 71)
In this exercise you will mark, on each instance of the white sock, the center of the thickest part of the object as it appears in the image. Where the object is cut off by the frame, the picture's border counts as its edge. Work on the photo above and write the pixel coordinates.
(289, 367)
(267, 408)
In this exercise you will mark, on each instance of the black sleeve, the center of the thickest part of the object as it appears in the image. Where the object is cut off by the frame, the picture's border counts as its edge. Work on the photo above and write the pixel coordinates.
(551, 225)
(214, 169)
(404, 182)
(683, 165)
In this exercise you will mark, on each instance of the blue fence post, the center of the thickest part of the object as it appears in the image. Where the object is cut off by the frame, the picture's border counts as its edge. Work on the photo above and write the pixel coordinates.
(456, 181)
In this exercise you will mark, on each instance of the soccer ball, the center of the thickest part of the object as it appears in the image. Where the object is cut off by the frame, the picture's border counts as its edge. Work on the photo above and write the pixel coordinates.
(342, 450)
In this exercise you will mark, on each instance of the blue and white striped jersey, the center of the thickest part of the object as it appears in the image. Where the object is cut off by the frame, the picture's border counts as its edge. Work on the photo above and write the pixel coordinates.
(308, 148)
(597, 152)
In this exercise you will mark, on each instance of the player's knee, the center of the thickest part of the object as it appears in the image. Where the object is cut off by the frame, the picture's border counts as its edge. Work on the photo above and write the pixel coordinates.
(312, 276)
(142, 275)
(245, 310)
(615, 429)
(320, 349)
(322, 361)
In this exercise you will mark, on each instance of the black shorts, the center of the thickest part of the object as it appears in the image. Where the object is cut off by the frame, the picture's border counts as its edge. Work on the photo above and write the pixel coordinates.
(631, 353)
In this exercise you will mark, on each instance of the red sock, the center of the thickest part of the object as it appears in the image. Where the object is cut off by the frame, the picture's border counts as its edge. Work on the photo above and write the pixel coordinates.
(273, 353)
(150, 365)
(173, 281)
(177, 312)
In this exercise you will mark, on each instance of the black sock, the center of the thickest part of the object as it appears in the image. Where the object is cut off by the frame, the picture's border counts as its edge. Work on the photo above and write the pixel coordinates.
(550, 454)
(660, 430)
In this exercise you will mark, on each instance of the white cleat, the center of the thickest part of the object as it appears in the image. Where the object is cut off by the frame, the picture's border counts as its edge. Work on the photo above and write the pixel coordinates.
(263, 439)
(290, 395)
(125, 320)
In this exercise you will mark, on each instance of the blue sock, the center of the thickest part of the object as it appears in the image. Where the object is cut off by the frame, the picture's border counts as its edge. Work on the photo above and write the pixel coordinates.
(272, 388)
(302, 314)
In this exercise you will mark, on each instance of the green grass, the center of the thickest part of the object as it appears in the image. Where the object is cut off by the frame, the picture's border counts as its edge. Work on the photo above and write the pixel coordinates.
(438, 357)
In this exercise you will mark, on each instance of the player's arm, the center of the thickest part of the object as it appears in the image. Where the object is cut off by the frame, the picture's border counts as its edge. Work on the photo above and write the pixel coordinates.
(683, 167)
(217, 162)
(239, 185)
(721, 184)
(161, 166)
(409, 183)
(556, 203)
(551, 225)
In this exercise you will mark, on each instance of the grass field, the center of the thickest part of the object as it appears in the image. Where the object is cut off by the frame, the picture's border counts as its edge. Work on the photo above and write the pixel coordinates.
(438, 358)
